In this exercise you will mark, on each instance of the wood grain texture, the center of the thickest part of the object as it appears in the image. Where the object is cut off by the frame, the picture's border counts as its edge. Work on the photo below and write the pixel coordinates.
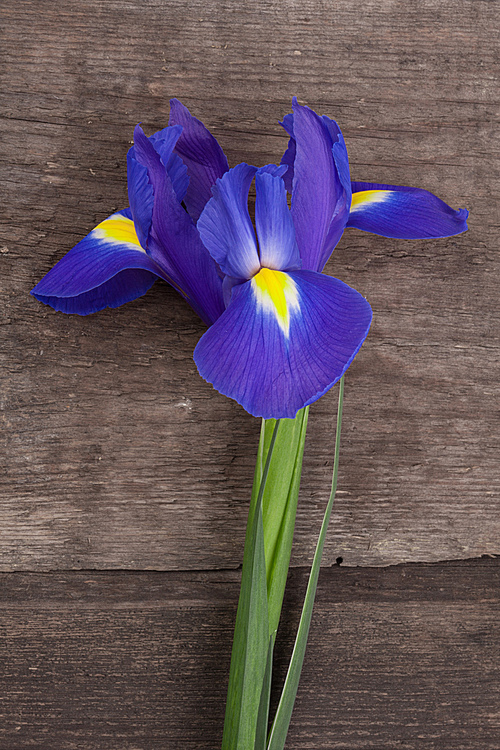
(117, 455)
(400, 657)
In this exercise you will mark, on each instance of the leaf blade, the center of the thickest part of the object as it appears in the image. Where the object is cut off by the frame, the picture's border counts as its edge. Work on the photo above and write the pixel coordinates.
(265, 698)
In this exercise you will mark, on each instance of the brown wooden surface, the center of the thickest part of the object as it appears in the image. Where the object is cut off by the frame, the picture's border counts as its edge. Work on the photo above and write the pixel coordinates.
(400, 657)
(117, 456)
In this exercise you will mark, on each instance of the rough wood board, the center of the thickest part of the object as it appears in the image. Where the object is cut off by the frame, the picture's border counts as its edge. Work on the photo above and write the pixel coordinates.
(117, 455)
(403, 657)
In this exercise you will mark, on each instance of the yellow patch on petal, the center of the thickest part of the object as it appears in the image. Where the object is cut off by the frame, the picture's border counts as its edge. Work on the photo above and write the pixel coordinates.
(118, 229)
(366, 197)
(276, 292)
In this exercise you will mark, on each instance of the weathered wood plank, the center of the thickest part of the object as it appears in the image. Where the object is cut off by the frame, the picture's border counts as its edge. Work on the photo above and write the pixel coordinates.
(117, 454)
(401, 657)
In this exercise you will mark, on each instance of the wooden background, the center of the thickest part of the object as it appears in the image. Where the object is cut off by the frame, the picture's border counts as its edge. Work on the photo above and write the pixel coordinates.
(125, 479)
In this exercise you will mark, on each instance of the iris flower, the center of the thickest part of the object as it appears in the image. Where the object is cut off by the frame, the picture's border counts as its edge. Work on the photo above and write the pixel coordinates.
(280, 332)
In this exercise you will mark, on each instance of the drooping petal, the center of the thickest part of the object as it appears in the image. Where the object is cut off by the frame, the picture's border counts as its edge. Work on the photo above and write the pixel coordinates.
(105, 269)
(403, 212)
(275, 231)
(174, 242)
(204, 158)
(283, 341)
(225, 226)
(320, 201)
(126, 286)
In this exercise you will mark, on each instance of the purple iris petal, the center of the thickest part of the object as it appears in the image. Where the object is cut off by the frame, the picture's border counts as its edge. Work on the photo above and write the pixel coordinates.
(124, 287)
(228, 284)
(276, 170)
(249, 355)
(202, 155)
(140, 190)
(319, 198)
(174, 242)
(225, 225)
(102, 270)
(403, 212)
(164, 142)
(341, 213)
(340, 156)
(287, 123)
(140, 197)
(275, 230)
(288, 158)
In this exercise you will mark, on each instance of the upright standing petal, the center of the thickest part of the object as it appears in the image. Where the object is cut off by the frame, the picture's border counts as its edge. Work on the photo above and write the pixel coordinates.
(275, 231)
(164, 142)
(225, 225)
(174, 242)
(283, 341)
(140, 190)
(140, 197)
(341, 213)
(403, 212)
(201, 153)
(105, 269)
(288, 158)
(319, 197)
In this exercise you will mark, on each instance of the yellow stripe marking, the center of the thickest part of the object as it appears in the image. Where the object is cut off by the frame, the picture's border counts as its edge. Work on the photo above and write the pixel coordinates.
(118, 229)
(276, 292)
(366, 197)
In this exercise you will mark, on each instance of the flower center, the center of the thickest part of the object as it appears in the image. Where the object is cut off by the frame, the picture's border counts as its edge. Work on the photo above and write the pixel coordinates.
(276, 293)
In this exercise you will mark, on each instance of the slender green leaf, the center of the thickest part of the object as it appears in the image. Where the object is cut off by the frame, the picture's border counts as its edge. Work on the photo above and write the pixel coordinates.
(251, 634)
(279, 729)
(265, 697)
(279, 504)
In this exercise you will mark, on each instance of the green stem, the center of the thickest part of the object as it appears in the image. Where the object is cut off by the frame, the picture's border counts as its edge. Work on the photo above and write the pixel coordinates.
(279, 503)
(251, 634)
(266, 559)
(279, 729)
